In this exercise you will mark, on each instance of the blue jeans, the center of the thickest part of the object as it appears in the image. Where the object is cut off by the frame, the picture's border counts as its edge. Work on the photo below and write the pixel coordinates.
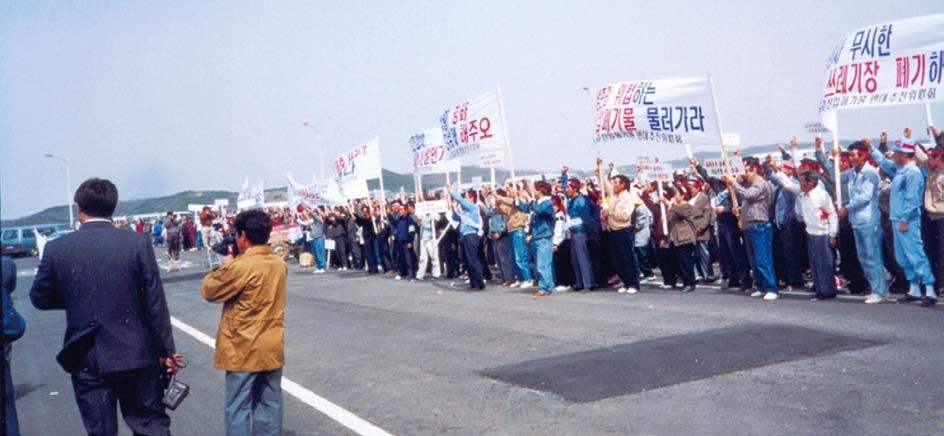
(760, 255)
(520, 247)
(909, 252)
(544, 259)
(318, 249)
(13, 424)
(868, 241)
(253, 403)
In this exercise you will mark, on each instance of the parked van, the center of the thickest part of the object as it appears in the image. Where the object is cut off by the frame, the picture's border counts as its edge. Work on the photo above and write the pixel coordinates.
(19, 241)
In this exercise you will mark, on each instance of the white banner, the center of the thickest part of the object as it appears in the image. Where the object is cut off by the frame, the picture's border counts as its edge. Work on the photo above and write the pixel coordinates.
(473, 125)
(354, 189)
(648, 172)
(715, 167)
(429, 153)
(324, 193)
(251, 197)
(891, 63)
(436, 207)
(362, 163)
(669, 111)
(491, 159)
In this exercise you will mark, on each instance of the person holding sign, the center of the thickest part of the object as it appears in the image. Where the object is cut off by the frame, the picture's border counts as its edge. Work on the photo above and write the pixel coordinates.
(619, 222)
(905, 212)
(682, 235)
(470, 242)
(734, 265)
(542, 230)
(758, 232)
(864, 217)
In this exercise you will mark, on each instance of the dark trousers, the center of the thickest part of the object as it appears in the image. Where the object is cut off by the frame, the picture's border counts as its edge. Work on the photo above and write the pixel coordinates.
(787, 251)
(406, 265)
(450, 254)
(340, 253)
(562, 266)
(483, 259)
(471, 245)
(138, 392)
(502, 249)
(623, 256)
(370, 255)
(938, 262)
(668, 265)
(685, 259)
(822, 265)
(733, 255)
(849, 264)
(703, 260)
(581, 262)
(642, 260)
(173, 247)
(600, 245)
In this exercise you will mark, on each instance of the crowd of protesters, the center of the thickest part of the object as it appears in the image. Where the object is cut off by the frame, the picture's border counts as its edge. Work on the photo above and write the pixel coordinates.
(778, 226)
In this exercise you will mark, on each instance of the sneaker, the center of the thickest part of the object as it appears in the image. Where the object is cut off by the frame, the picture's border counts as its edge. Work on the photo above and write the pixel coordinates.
(876, 299)
(398, 278)
(688, 289)
(665, 287)
(514, 284)
(562, 288)
(526, 285)
(757, 294)
(621, 290)
(908, 298)
(631, 290)
(770, 296)
(653, 278)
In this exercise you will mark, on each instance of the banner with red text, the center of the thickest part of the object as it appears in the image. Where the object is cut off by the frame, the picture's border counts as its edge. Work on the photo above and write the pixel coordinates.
(324, 193)
(429, 153)
(890, 63)
(473, 125)
(666, 111)
(362, 163)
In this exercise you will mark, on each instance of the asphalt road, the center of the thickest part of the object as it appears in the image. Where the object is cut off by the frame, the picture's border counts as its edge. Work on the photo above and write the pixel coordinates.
(426, 359)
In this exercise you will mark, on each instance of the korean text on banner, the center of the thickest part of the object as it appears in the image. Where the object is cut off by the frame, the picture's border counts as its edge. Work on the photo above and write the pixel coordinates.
(429, 153)
(669, 111)
(715, 167)
(654, 172)
(473, 125)
(361, 163)
(891, 63)
(251, 197)
(435, 207)
(324, 193)
(491, 159)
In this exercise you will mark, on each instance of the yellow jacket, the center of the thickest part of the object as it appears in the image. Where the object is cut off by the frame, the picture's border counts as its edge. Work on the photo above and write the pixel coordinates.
(251, 336)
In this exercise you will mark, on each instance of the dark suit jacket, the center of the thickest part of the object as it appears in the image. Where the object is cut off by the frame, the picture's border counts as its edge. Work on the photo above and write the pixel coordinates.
(109, 277)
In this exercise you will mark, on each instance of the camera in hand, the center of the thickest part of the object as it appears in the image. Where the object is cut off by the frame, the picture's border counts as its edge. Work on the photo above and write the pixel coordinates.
(223, 247)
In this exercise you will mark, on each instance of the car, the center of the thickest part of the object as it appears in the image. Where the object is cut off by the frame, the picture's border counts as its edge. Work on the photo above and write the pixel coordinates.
(21, 241)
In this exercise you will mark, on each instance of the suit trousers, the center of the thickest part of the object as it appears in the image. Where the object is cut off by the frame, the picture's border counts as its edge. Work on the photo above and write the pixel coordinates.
(624, 257)
(822, 265)
(732, 254)
(138, 392)
(685, 259)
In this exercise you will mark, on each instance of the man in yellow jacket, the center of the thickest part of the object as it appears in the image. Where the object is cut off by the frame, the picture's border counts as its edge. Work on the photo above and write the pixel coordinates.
(250, 342)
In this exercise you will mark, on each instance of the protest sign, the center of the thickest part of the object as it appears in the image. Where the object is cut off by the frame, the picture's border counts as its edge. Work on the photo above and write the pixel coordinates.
(491, 159)
(890, 63)
(429, 153)
(251, 197)
(473, 125)
(361, 163)
(658, 172)
(669, 111)
(325, 193)
(715, 167)
(434, 207)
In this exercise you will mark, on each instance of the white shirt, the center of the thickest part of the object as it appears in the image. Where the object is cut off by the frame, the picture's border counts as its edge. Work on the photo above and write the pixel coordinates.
(816, 206)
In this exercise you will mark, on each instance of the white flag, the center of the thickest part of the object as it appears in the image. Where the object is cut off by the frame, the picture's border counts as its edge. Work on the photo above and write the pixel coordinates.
(324, 193)
(362, 163)
(429, 153)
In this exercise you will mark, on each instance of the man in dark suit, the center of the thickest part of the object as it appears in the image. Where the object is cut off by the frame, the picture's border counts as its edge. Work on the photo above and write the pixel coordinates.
(118, 335)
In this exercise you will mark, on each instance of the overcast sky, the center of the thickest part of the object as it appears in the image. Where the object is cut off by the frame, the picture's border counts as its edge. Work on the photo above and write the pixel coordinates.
(162, 97)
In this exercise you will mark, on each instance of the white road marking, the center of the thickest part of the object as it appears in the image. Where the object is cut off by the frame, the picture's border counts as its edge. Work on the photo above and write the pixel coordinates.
(333, 411)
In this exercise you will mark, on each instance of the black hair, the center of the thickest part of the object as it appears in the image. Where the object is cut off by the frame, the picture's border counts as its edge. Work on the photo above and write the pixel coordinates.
(97, 197)
(623, 179)
(255, 224)
(809, 177)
